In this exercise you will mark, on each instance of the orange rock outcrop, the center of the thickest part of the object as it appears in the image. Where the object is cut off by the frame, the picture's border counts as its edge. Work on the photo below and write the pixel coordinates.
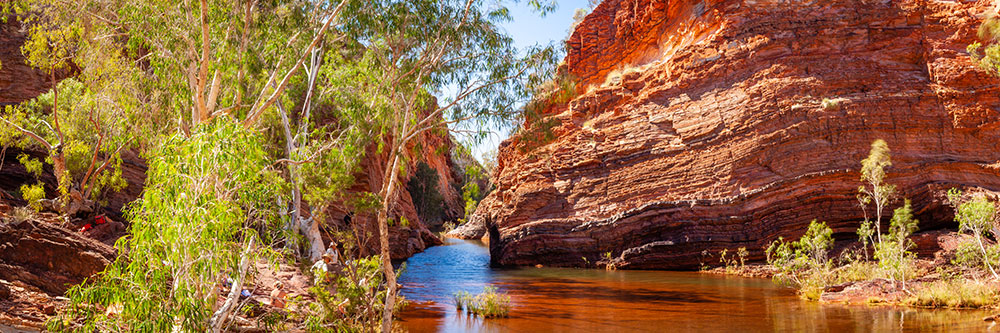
(709, 125)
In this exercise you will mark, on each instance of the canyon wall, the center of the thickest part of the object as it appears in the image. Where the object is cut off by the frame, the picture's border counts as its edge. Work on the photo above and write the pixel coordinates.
(709, 125)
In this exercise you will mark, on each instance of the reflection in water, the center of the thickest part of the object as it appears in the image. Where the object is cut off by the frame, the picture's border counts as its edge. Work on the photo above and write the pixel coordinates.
(575, 300)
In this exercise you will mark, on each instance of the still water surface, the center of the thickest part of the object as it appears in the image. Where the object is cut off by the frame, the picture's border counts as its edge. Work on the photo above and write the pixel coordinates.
(579, 300)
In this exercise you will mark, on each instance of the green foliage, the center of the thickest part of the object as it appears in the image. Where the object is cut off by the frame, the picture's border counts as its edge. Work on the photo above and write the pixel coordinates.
(609, 262)
(536, 128)
(804, 263)
(893, 254)
(874, 189)
(977, 217)
(989, 59)
(471, 195)
(423, 188)
(32, 165)
(488, 304)
(187, 232)
(732, 264)
(955, 293)
(447, 227)
(856, 269)
(33, 194)
(354, 300)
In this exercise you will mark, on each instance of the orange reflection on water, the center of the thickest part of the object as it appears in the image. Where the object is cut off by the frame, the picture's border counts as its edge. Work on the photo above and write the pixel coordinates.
(576, 300)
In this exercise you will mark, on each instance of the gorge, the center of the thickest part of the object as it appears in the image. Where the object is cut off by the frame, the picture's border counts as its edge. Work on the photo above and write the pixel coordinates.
(671, 133)
(700, 126)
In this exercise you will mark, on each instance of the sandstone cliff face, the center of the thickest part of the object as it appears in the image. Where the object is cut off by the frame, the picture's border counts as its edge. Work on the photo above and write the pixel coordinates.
(18, 81)
(49, 257)
(404, 240)
(700, 125)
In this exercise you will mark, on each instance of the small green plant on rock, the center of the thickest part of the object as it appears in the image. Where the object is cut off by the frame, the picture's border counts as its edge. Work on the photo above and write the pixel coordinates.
(989, 58)
(736, 262)
(447, 227)
(831, 104)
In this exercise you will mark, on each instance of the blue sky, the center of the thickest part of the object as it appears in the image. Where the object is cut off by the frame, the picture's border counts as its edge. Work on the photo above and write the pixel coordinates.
(527, 29)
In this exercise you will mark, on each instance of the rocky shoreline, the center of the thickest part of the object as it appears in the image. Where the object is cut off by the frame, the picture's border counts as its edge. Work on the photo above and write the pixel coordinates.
(936, 258)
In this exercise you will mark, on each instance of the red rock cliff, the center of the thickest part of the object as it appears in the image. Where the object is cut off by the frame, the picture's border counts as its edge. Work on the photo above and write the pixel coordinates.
(700, 125)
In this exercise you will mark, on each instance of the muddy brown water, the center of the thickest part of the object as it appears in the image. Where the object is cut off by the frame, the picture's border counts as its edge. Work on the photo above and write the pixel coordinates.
(587, 300)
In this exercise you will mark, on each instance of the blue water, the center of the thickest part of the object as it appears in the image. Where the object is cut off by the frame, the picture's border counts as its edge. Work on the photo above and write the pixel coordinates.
(588, 300)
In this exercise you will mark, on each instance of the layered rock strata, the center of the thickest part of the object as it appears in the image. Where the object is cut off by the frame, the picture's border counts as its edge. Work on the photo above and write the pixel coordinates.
(709, 125)
(48, 257)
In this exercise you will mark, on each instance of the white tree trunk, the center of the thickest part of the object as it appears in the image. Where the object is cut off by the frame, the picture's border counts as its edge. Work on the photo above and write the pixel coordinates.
(383, 226)
(220, 316)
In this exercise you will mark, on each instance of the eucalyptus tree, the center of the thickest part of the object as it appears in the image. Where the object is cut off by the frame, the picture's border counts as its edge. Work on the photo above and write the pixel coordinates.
(82, 123)
(211, 71)
(206, 205)
(410, 50)
(148, 68)
(978, 217)
(875, 189)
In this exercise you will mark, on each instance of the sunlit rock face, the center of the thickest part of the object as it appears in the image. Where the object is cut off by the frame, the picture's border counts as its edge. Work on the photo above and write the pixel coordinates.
(405, 241)
(701, 126)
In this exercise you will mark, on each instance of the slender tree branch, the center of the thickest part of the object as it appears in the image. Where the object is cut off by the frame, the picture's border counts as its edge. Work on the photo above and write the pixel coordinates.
(254, 114)
(30, 134)
(203, 71)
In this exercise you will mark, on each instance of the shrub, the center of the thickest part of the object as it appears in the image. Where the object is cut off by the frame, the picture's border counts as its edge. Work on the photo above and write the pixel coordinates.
(21, 214)
(190, 229)
(488, 304)
(804, 263)
(536, 128)
(352, 302)
(976, 216)
(735, 262)
(831, 104)
(447, 227)
(609, 262)
(893, 254)
(874, 189)
(33, 194)
(989, 58)
(856, 269)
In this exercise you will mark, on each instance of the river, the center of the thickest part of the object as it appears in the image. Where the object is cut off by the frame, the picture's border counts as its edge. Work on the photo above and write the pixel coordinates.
(589, 300)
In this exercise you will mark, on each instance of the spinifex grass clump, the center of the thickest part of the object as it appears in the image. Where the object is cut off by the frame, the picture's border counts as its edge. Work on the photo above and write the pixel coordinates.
(488, 304)
(955, 293)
